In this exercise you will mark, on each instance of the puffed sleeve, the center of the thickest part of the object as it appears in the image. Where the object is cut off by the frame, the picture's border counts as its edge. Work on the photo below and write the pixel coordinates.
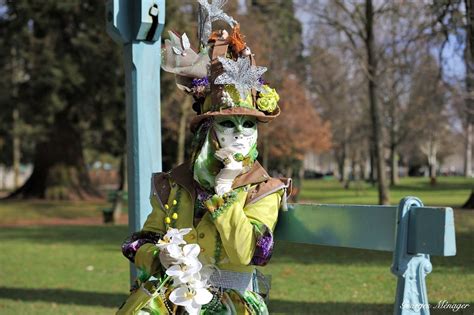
(246, 232)
(140, 247)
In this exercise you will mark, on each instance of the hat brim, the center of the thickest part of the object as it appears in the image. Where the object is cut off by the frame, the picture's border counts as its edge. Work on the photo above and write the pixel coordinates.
(235, 111)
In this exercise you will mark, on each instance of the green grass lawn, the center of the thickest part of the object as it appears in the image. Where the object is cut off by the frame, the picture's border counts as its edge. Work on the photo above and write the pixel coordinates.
(449, 191)
(80, 269)
(13, 211)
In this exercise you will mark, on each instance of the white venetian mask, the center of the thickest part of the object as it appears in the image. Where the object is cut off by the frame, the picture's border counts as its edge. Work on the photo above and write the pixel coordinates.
(238, 133)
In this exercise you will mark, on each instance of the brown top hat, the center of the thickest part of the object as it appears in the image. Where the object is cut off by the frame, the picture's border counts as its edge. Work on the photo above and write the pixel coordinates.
(222, 77)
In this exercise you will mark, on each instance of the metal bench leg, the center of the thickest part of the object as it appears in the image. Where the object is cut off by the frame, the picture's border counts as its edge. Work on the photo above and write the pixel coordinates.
(411, 269)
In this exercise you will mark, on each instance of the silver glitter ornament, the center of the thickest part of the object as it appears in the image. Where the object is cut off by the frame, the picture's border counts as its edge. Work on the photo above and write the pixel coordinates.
(212, 12)
(241, 74)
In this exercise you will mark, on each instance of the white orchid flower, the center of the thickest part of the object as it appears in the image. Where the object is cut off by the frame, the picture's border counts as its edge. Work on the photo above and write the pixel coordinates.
(206, 272)
(173, 236)
(187, 279)
(192, 298)
(191, 253)
(188, 263)
(183, 272)
(175, 251)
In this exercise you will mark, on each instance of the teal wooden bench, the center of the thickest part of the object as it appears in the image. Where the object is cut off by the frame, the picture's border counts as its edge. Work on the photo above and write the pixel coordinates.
(411, 231)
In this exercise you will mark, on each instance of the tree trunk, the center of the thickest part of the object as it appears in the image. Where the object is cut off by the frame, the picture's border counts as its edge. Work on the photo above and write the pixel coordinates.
(468, 151)
(16, 80)
(341, 163)
(372, 162)
(393, 142)
(341, 167)
(432, 170)
(374, 110)
(470, 202)
(16, 149)
(3, 180)
(352, 174)
(392, 110)
(182, 131)
(432, 166)
(297, 182)
(469, 61)
(59, 168)
(362, 165)
(265, 151)
(432, 152)
(121, 190)
(394, 165)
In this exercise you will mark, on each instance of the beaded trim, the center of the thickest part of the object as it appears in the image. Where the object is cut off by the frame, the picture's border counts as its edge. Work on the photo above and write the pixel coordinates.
(172, 212)
(215, 304)
(164, 298)
(218, 249)
(229, 199)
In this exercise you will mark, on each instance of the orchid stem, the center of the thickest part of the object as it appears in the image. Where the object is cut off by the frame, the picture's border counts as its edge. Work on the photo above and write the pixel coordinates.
(163, 283)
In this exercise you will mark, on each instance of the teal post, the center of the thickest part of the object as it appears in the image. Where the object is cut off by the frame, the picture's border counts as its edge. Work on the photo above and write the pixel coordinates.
(137, 25)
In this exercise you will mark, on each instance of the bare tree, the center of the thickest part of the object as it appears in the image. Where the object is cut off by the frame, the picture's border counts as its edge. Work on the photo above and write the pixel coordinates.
(428, 99)
(456, 17)
(354, 22)
(375, 114)
(403, 46)
(339, 102)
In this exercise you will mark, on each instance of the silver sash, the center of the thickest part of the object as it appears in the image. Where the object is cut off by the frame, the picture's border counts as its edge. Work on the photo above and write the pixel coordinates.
(240, 281)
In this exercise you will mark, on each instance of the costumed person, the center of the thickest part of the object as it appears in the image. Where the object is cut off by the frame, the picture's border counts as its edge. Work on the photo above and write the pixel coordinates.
(213, 217)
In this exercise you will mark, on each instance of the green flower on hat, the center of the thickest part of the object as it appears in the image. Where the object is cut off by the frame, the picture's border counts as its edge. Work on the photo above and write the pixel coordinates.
(235, 96)
(268, 100)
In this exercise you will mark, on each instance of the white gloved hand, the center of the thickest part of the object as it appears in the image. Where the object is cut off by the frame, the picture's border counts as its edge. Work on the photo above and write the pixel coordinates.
(232, 169)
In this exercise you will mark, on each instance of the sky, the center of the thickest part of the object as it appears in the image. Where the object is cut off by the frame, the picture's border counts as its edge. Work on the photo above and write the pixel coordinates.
(453, 63)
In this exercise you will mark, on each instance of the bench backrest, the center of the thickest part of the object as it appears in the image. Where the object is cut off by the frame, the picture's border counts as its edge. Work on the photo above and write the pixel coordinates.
(431, 230)
(411, 231)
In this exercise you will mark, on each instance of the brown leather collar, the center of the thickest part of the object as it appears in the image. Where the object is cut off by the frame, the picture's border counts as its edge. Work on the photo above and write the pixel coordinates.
(183, 176)
(257, 174)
